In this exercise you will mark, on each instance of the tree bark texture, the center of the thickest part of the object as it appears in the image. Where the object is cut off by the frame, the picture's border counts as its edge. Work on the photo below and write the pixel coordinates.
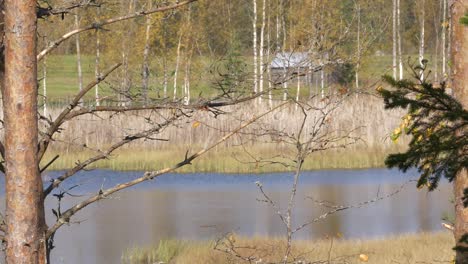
(24, 194)
(459, 78)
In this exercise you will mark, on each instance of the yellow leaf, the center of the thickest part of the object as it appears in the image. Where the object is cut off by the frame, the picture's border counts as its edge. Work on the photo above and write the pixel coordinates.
(196, 124)
(363, 258)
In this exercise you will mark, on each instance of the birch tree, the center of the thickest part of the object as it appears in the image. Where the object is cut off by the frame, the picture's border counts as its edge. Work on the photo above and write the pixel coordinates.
(422, 36)
(254, 45)
(146, 68)
(78, 53)
(400, 55)
(262, 49)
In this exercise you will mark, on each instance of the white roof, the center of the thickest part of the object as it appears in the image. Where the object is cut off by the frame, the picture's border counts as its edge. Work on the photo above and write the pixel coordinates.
(291, 60)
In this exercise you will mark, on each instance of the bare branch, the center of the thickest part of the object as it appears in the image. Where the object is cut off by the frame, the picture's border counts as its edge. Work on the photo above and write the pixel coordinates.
(65, 217)
(105, 154)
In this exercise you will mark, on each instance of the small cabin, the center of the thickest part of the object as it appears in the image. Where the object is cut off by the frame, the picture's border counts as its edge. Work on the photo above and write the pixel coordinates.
(289, 68)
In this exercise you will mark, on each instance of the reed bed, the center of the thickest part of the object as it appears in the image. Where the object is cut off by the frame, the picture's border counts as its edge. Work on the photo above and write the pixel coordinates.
(89, 134)
(413, 248)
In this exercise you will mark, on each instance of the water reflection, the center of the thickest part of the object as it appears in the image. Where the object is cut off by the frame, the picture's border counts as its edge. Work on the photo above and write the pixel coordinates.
(204, 206)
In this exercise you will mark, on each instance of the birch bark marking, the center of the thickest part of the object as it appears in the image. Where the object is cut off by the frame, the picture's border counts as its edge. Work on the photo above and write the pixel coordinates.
(24, 194)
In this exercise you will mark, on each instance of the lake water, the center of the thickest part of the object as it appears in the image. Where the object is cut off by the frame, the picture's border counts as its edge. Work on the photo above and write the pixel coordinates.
(206, 206)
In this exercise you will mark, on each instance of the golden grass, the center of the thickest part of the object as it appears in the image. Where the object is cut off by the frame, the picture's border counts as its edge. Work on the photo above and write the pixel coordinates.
(414, 248)
(225, 160)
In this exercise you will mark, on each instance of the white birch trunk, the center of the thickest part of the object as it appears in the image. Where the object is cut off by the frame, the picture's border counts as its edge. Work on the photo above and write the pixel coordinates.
(145, 68)
(97, 66)
(165, 76)
(422, 37)
(78, 55)
(268, 51)
(298, 91)
(358, 64)
(322, 82)
(255, 58)
(44, 84)
(262, 47)
(177, 65)
(400, 55)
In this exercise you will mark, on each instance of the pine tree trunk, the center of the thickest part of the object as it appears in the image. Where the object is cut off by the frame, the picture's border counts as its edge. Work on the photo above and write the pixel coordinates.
(444, 39)
(394, 65)
(25, 218)
(460, 87)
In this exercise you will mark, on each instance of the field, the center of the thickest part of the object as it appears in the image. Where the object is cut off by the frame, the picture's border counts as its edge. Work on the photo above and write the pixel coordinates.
(62, 77)
(417, 248)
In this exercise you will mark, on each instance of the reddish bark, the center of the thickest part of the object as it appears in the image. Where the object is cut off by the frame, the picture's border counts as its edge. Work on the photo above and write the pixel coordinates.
(460, 88)
(24, 192)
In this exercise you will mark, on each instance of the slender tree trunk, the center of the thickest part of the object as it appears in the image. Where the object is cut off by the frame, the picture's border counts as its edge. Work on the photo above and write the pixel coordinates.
(44, 85)
(164, 57)
(298, 91)
(358, 64)
(394, 65)
(177, 65)
(126, 81)
(437, 23)
(146, 70)
(78, 54)
(444, 39)
(97, 66)
(422, 36)
(450, 32)
(459, 78)
(322, 82)
(400, 55)
(255, 49)
(262, 47)
(25, 221)
(268, 51)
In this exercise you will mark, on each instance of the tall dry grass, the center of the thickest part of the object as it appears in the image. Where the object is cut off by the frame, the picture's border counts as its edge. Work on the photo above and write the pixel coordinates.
(89, 134)
(416, 248)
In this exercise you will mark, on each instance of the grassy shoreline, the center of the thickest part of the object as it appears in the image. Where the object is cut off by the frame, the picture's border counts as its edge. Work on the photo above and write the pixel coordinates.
(223, 160)
(410, 248)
